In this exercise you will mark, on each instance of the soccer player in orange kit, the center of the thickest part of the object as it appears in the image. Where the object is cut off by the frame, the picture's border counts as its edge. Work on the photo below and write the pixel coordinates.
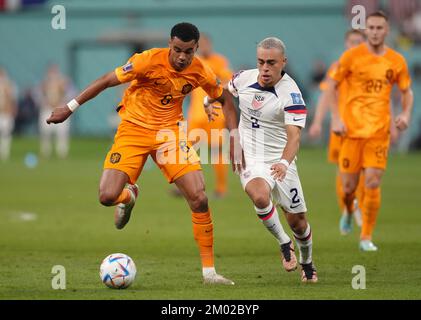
(198, 119)
(370, 69)
(352, 39)
(151, 113)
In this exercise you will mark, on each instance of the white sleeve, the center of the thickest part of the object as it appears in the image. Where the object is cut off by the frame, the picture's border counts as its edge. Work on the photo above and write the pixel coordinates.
(233, 84)
(295, 111)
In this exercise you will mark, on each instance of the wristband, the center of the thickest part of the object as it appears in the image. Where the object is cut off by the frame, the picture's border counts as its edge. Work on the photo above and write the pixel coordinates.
(284, 162)
(206, 101)
(73, 105)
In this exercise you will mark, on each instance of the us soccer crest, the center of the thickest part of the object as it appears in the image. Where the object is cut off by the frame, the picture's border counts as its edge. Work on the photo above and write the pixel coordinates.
(257, 102)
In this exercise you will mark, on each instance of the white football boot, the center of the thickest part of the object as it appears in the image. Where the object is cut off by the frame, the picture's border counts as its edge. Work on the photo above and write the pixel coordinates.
(123, 211)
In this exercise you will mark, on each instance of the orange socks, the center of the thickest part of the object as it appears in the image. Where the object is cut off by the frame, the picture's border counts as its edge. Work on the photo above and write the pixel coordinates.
(203, 234)
(124, 197)
(370, 209)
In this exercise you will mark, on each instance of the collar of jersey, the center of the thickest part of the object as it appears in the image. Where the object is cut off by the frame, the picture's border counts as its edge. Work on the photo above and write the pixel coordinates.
(257, 86)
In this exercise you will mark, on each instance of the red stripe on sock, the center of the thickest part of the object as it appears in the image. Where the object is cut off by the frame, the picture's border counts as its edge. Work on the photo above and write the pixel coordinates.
(303, 239)
(266, 217)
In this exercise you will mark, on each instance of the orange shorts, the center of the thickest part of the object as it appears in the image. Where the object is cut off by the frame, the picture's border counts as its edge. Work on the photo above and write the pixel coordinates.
(167, 147)
(357, 154)
(335, 143)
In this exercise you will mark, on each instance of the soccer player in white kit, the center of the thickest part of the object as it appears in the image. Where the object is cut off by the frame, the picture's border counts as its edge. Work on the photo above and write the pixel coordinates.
(272, 115)
(54, 91)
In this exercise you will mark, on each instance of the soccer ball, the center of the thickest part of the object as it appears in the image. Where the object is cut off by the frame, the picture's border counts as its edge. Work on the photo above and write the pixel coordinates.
(117, 271)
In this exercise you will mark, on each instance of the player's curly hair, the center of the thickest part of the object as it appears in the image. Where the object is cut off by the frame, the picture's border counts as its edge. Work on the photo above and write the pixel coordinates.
(185, 31)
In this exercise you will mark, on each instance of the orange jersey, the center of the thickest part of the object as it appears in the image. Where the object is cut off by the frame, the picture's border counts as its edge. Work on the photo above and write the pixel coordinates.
(342, 88)
(370, 79)
(220, 67)
(155, 96)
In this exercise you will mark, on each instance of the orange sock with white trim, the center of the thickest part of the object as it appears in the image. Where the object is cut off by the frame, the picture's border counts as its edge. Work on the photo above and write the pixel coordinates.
(124, 197)
(370, 209)
(203, 234)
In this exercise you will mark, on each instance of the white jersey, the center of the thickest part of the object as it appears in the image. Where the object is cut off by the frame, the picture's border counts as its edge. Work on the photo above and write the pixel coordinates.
(264, 114)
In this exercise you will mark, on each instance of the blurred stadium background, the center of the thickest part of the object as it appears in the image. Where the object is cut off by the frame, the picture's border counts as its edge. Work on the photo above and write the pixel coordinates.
(49, 209)
(101, 35)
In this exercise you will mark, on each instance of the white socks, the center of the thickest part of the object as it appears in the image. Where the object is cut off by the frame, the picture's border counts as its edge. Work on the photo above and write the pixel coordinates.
(305, 245)
(208, 272)
(270, 220)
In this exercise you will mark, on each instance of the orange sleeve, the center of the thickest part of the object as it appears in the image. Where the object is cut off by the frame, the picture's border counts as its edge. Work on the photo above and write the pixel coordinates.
(224, 72)
(210, 83)
(343, 67)
(403, 79)
(323, 85)
(134, 68)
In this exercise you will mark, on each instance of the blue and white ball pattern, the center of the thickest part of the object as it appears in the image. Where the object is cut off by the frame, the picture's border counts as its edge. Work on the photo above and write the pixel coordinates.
(117, 271)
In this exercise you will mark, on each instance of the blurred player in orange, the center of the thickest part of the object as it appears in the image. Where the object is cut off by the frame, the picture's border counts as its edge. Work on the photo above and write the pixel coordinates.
(370, 70)
(198, 119)
(151, 113)
(352, 39)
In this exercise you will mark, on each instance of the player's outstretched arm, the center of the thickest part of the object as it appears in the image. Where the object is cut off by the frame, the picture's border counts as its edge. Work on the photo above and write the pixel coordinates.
(407, 100)
(60, 114)
(236, 152)
(322, 108)
(279, 170)
(338, 126)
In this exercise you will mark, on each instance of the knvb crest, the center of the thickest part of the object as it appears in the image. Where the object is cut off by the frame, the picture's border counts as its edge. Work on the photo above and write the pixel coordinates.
(115, 157)
(257, 101)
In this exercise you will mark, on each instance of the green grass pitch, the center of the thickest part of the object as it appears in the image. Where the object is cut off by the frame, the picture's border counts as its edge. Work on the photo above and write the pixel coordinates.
(50, 216)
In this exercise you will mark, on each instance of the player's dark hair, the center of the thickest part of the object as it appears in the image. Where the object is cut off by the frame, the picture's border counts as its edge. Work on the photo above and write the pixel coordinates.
(380, 14)
(355, 31)
(185, 32)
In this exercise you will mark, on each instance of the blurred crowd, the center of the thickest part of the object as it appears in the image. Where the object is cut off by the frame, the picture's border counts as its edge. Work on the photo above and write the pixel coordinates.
(26, 111)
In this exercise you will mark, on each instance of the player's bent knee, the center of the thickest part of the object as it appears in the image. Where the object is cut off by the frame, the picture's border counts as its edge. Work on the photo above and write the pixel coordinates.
(372, 183)
(107, 198)
(261, 201)
(199, 203)
(297, 222)
(349, 188)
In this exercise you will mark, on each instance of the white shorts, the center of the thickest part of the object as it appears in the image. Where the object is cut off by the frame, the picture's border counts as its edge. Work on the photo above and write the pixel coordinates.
(287, 193)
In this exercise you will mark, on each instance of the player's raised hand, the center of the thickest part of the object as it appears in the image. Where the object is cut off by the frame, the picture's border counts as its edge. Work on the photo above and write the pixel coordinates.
(338, 127)
(402, 121)
(315, 130)
(238, 161)
(210, 108)
(210, 112)
(278, 171)
(59, 115)
(394, 133)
